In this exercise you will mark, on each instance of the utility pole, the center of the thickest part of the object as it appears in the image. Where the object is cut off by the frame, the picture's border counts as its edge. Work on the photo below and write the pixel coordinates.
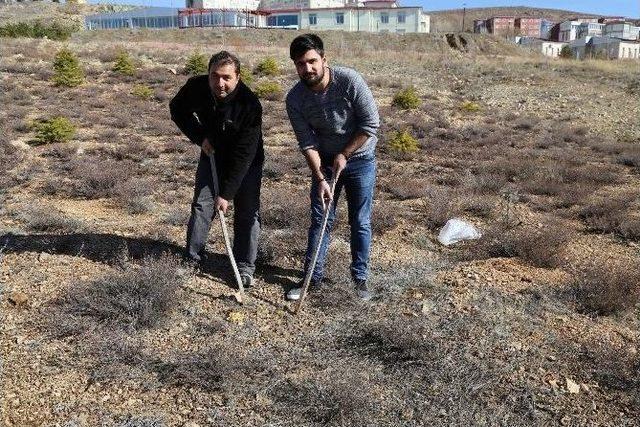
(464, 12)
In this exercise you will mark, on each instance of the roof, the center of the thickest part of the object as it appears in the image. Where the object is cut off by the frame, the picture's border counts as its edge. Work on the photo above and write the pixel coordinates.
(140, 12)
(271, 11)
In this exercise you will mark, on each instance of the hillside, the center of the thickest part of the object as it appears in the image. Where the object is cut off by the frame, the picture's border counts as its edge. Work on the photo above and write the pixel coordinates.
(451, 20)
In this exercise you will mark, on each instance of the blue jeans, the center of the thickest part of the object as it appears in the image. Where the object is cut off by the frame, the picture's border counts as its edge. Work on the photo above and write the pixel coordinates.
(358, 180)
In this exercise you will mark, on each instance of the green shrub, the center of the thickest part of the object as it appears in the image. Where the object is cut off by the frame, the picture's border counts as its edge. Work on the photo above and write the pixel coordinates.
(268, 67)
(403, 143)
(142, 91)
(67, 71)
(407, 99)
(268, 90)
(196, 64)
(566, 52)
(55, 129)
(124, 64)
(37, 29)
(470, 107)
(246, 76)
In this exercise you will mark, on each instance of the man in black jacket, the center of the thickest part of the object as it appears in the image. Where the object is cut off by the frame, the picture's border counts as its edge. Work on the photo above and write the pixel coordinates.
(219, 113)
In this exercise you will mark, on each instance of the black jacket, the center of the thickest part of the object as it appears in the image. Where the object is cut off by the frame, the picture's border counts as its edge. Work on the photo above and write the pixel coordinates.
(233, 126)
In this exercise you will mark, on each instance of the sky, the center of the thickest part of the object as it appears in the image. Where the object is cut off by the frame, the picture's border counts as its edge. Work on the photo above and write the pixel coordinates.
(628, 8)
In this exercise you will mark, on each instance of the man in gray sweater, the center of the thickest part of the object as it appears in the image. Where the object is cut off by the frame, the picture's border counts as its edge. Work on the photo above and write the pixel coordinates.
(335, 120)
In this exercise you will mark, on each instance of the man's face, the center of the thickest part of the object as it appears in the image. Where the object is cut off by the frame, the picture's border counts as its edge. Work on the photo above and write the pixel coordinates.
(223, 80)
(310, 67)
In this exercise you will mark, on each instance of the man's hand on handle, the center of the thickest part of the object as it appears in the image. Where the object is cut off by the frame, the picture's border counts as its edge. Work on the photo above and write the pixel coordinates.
(221, 205)
(207, 148)
(339, 163)
(324, 192)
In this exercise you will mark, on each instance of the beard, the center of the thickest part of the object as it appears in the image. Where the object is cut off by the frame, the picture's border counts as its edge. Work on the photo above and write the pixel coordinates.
(311, 80)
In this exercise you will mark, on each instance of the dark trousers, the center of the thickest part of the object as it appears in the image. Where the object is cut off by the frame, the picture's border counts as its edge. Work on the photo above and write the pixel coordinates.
(246, 215)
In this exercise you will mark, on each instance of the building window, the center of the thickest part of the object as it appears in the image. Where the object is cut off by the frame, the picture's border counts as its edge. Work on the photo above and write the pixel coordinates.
(313, 19)
(384, 18)
(402, 18)
(339, 18)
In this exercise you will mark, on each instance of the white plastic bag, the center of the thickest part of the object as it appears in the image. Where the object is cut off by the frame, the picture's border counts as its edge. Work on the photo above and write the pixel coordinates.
(456, 230)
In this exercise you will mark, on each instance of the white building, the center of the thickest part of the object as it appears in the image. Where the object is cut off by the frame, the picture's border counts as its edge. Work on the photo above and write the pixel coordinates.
(299, 4)
(622, 30)
(547, 48)
(612, 48)
(223, 4)
(569, 29)
(375, 19)
(605, 48)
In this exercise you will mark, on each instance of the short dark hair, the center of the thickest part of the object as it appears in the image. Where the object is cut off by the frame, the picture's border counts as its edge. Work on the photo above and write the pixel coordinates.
(224, 58)
(304, 43)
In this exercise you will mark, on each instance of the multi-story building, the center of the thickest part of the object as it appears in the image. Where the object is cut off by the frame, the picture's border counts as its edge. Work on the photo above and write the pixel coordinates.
(222, 4)
(569, 29)
(589, 29)
(546, 28)
(351, 18)
(501, 25)
(149, 17)
(346, 15)
(527, 27)
(299, 4)
(621, 30)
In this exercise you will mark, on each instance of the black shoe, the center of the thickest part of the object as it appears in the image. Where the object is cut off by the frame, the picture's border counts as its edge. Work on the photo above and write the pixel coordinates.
(362, 290)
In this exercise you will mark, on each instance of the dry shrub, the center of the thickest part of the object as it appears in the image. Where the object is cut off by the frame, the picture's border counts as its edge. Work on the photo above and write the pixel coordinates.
(133, 195)
(136, 150)
(47, 219)
(176, 216)
(605, 286)
(540, 246)
(406, 188)
(594, 174)
(176, 146)
(629, 228)
(511, 169)
(10, 157)
(440, 205)
(573, 195)
(484, 182)
(630, 156)
(479, 206)
(275, 167)
(526, 123)
(337, 397)
(383, 219)
(225, 367)
(96, 178)
(418, 125)
(612, 214)
(571, 134)
(137, 297)
(284, 210)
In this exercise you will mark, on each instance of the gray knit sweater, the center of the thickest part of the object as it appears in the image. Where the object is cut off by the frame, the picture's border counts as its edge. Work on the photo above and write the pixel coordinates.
(327, 121)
